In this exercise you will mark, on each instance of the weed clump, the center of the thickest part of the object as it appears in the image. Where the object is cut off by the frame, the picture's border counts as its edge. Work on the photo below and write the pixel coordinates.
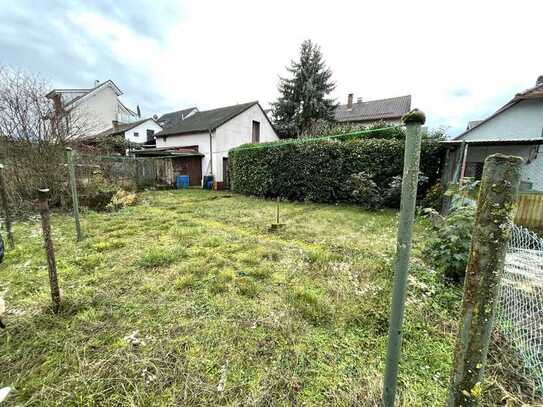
(109, 245)
(311, 305)
(160, 257)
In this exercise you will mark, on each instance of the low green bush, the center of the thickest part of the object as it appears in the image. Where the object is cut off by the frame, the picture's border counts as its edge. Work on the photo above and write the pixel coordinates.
(448, 248)
(320, 170)
(365, 191)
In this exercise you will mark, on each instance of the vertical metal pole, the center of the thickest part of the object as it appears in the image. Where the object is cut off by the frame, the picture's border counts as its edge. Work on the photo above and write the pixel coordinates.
(73, 189)
(459, 161)
(278, 200)
(464, 161)
(5, 204)
(43, 195)
(497, 199)
(413, 120)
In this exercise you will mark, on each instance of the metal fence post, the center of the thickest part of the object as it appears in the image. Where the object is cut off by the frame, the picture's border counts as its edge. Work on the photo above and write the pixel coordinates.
(497, 198)
(5, 204)
(43, 195)
(413, 121)
(277, 214)
(73, 190)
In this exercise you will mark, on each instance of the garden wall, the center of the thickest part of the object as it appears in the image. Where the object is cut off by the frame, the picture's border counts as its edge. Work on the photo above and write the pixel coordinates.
(320, 170)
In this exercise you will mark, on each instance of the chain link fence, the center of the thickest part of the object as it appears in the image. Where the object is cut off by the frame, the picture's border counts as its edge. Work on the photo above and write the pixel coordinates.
(520, 311)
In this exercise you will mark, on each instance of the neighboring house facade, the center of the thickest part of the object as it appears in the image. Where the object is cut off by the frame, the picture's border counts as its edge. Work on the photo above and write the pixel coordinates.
(213, 133)
(389, 110)
(96, 109)
(514, 129)
(140, 132)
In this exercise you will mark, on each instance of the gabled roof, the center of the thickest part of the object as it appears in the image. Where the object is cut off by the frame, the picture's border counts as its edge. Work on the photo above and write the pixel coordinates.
(119, 129)
(535, 92)
(85, 92)
(390, 108)
(200, 122)
(169, 120)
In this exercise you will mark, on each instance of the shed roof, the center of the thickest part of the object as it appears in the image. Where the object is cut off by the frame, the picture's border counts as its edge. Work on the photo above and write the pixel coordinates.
(167, 152)
(511, 142)
(390, 108)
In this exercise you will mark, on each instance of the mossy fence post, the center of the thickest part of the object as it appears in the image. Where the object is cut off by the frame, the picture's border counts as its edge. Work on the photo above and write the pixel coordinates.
(43, 195)
(5, 204)
(413, 121)
(491, 232)
(73, 190)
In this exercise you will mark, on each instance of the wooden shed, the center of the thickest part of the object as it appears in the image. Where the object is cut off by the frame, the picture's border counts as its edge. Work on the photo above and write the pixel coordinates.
(177, 161)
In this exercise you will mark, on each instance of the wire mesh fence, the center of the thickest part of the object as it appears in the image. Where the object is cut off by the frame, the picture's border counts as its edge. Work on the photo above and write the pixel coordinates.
(520, 311)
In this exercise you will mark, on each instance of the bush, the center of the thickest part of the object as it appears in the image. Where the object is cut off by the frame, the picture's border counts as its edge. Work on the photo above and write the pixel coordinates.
(434, 197)
(320, 170)
(365, 191)
(448, 249)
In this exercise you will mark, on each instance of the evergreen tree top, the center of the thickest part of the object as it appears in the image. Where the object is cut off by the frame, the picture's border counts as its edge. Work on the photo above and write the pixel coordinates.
(303, 94)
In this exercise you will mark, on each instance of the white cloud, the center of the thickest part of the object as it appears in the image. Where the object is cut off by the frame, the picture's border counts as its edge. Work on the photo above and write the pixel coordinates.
(224, 52)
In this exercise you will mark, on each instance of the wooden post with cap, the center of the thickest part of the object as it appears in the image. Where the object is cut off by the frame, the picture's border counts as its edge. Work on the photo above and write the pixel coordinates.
(413, 121)
(43, 195)
(5, 204)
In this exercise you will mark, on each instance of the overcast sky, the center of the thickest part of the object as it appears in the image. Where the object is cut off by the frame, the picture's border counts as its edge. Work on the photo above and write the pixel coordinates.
(460, 60)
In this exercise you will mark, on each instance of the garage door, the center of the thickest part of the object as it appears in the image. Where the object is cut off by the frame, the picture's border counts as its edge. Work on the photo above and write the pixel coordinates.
(191, 166)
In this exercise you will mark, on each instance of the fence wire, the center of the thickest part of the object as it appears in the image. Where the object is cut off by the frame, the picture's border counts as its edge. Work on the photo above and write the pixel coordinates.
(520, 311)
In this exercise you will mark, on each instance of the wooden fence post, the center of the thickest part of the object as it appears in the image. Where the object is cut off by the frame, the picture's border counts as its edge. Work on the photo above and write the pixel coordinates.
(413, 121)
(49, 249)
(73, 189)
(491, 232)
(5, 204)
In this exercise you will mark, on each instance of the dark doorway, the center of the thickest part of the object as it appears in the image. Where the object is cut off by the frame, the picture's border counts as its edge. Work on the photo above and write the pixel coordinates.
(191, 166)
(225, 173)
(256, 132)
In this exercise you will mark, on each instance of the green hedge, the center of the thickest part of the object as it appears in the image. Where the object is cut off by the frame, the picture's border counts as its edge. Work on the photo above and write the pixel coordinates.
(319, 170)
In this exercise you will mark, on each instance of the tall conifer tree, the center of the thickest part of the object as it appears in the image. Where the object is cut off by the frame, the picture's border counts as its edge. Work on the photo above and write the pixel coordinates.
(303, 96)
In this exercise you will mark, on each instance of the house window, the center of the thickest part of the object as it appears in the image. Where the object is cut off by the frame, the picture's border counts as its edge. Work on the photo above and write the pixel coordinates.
(256, 132)
(136, 134)
(150, 135)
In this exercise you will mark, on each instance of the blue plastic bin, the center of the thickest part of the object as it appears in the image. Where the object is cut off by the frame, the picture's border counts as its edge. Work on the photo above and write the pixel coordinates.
(208, 182)
(182, 181)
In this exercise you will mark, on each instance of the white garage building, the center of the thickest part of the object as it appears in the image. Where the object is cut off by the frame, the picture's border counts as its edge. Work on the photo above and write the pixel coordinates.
(214, 133)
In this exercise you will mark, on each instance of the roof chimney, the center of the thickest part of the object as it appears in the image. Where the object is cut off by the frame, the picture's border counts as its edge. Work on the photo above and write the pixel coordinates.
(539, 80)
(358, 100)
(115, 124)
(350, 101)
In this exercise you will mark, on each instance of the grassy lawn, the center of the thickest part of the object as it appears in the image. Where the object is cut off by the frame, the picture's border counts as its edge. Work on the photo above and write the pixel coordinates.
(227, 313)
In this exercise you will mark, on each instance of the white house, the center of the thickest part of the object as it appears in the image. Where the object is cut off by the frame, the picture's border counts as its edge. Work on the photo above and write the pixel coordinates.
(98, 109)
(390, 110)
(213, 133)
(514, 129)
(141, 131)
